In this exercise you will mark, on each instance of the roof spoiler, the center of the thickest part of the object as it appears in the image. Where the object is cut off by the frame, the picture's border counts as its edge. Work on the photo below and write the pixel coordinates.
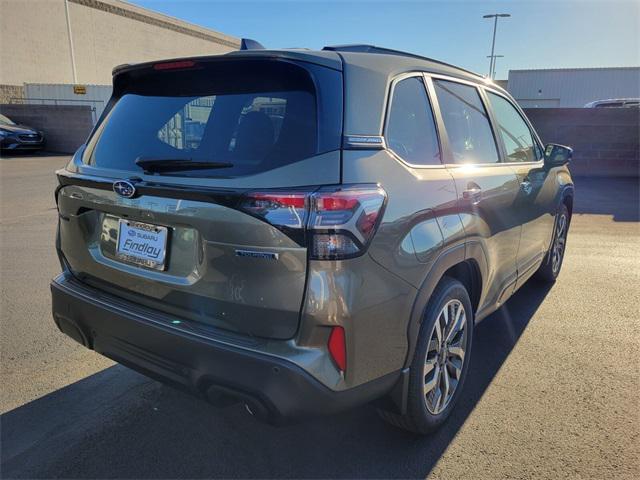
(249, 44)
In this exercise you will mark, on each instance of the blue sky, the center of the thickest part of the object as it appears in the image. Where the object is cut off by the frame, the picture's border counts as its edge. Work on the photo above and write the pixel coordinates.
(540, 34)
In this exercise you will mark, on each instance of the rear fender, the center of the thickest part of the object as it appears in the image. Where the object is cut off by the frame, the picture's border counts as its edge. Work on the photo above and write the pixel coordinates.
(396, 400)
(445, 260)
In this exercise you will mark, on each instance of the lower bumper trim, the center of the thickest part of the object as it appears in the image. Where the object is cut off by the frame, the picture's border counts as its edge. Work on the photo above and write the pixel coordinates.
(274, 389)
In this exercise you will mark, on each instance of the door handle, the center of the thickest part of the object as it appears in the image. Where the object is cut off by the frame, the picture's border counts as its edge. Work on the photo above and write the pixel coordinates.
(526, 186)
(473, 194)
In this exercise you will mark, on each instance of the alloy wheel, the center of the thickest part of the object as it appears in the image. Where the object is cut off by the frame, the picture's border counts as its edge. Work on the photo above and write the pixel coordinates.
(445, 356)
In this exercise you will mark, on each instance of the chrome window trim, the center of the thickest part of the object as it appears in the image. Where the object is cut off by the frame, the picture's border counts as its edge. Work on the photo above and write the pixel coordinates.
(499, 164)
(412, 166)
(394, 81)
(441, 76)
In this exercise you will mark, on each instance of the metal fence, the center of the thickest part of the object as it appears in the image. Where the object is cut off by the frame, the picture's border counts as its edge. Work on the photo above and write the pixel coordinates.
(95, 105)
(95, 96)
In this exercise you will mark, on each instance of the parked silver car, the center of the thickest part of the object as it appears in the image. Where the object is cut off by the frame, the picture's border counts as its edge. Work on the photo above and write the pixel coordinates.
(615, 103)
(305, 231)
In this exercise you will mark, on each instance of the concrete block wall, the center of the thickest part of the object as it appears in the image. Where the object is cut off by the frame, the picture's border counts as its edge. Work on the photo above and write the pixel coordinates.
(605, 140)
(65, 127)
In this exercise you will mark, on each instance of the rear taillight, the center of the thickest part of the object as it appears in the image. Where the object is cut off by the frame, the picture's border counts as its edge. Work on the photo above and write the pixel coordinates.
(338, 222)
(278, 208)
(343, 220)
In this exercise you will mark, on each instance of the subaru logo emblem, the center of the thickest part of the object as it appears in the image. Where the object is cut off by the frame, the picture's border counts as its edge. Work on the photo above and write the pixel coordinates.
(124, 188)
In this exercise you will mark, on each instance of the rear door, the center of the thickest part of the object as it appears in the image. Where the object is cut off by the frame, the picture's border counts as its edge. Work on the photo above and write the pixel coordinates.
(486, 189)
(190, 195)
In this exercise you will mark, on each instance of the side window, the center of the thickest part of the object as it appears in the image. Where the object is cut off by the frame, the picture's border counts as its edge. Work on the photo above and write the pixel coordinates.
(411, 130)
(467, 124)
(518, 140)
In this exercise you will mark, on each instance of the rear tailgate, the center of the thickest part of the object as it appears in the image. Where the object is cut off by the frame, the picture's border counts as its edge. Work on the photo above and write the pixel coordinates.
(183, 242)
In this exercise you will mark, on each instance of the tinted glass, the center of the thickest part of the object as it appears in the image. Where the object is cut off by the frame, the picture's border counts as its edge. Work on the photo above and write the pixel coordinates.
(470, 136)
(517, 138)
(411, 131)
(257, 116)
(609, 105)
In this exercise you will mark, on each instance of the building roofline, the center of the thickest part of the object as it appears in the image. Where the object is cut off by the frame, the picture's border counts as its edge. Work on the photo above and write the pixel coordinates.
(572, 69)
(134, 12)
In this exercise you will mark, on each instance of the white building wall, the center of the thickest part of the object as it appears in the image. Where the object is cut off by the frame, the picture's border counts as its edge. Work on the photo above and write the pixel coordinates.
(34, 41)
(572, 87)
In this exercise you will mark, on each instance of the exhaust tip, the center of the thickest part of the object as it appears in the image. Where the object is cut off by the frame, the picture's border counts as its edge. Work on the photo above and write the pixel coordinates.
(221, 396)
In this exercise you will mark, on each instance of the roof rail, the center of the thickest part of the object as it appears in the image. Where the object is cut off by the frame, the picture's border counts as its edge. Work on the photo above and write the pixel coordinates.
(249, 44)
(364, 48)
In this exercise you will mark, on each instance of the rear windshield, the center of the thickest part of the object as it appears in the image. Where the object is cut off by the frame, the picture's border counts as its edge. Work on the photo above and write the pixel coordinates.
(253, 116)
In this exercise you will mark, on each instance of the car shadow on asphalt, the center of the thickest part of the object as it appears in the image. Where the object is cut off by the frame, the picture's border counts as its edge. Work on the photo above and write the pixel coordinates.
(118, 424)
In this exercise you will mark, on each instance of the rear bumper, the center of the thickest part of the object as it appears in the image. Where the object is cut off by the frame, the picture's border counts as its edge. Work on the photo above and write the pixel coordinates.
(273, 388)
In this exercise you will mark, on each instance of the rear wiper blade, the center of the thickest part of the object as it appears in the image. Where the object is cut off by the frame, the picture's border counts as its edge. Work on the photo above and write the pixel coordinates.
(158, 164)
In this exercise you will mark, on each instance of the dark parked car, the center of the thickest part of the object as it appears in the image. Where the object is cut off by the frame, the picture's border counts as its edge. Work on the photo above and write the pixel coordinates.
(328, 236)
(19, 137)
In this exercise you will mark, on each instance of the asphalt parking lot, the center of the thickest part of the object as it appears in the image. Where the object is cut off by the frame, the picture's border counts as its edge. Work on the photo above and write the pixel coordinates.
(552, 393)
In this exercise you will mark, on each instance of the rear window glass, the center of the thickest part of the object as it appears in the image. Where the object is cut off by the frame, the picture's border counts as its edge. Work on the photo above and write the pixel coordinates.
(254, 116)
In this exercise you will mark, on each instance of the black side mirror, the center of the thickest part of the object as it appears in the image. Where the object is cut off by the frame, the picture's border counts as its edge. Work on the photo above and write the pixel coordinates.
(557, 155)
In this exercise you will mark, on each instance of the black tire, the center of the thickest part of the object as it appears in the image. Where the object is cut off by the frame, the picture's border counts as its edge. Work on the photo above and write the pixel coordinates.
(550, 269)
(419, 418)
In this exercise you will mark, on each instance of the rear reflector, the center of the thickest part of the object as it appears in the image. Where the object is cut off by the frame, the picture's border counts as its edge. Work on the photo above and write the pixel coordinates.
(174, 65)
(338, 348)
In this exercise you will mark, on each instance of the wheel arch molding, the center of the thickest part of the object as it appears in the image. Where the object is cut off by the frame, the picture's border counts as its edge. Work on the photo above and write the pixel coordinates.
(448, 260)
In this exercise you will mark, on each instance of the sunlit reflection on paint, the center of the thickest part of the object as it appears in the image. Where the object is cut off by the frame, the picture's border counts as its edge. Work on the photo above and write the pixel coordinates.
(468, 166)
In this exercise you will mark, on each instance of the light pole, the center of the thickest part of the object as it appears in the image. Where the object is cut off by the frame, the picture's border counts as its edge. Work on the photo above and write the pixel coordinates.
(493, 43)
(495, 61)
(73, 56)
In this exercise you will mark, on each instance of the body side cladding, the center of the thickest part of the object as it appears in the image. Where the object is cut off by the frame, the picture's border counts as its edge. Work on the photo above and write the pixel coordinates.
(444, 262)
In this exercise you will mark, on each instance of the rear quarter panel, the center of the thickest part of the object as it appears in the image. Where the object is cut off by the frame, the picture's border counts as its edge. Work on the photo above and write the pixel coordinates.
(374, 296)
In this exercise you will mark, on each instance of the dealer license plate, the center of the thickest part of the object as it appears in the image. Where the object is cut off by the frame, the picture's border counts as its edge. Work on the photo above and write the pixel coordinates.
(142, 244)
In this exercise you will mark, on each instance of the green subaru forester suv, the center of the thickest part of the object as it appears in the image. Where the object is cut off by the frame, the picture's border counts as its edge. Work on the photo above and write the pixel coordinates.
(305, 231)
